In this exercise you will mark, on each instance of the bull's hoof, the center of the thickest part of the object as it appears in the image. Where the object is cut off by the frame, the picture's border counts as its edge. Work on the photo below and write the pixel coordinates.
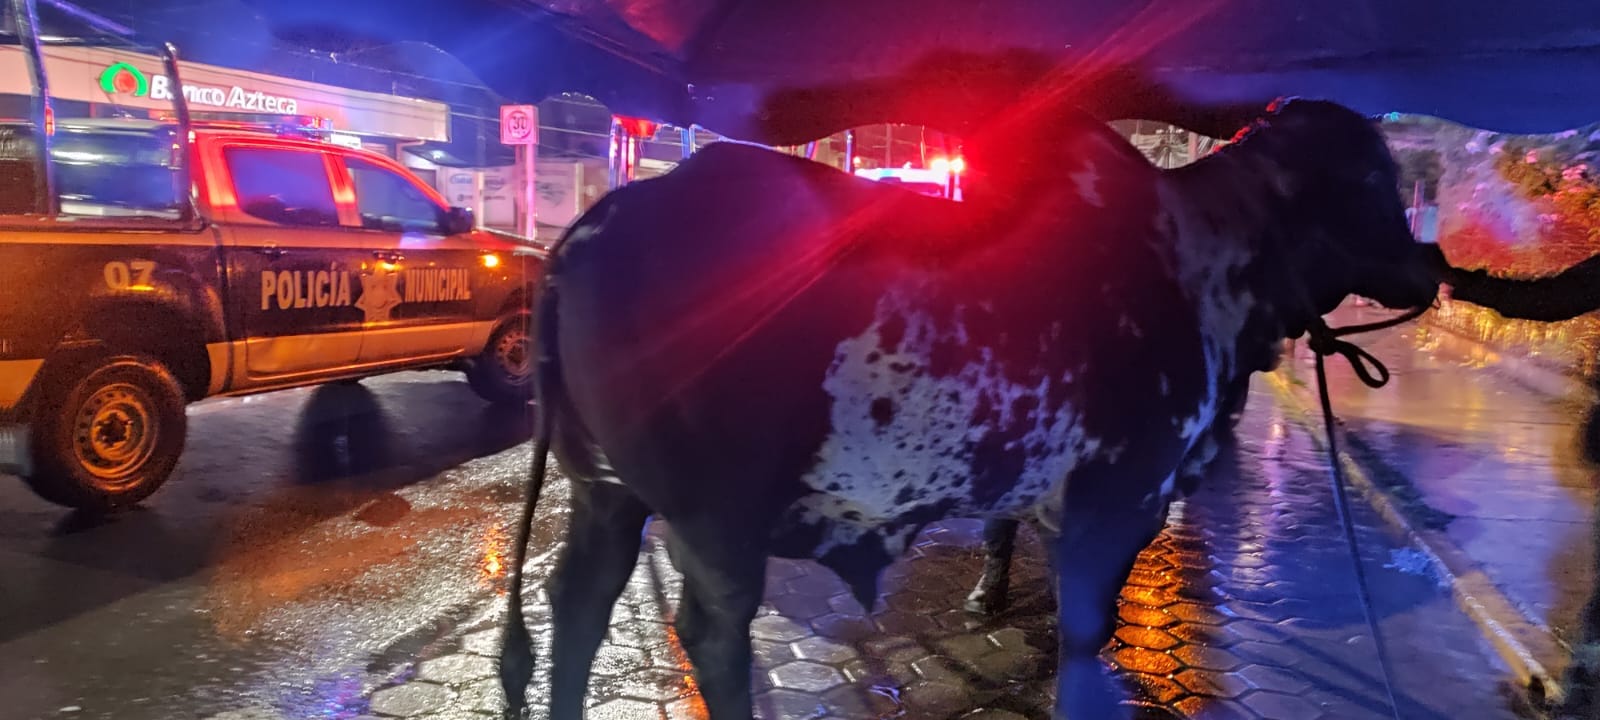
(1581, 690)
(986, 601)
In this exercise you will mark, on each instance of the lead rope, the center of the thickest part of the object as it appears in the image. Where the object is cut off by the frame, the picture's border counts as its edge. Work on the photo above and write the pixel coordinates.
(1325, 341)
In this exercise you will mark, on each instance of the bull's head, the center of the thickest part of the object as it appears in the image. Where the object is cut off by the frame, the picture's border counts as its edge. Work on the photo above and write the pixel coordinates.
(1343, 203)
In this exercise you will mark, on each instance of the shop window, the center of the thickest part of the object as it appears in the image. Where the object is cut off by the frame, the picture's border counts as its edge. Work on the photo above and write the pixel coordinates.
(288, 187)
(389, 201)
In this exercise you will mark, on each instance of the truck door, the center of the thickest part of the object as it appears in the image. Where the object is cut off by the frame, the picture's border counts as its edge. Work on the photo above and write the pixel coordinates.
(434, 317)
(303, 286)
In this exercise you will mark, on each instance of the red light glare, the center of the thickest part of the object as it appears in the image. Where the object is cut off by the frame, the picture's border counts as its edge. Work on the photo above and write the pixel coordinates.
(638, 127)
(947, 165)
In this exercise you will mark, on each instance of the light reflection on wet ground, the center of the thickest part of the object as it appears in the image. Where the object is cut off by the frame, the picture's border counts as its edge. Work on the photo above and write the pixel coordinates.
(1493, 464)
(1572, 344)
(310, 544)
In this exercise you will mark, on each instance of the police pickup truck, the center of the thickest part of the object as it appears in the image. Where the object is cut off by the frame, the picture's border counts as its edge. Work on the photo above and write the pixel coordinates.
(174, 266)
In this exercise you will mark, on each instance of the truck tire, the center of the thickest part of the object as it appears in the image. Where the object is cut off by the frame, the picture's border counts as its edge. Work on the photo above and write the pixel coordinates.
(503, 372)
(107, 436)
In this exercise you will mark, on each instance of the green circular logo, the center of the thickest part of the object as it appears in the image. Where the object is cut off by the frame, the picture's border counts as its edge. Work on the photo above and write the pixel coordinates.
(124, 79)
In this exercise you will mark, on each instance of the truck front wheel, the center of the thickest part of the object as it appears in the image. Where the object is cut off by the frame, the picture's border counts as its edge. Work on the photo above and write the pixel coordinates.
(503, 372)
(109, 435)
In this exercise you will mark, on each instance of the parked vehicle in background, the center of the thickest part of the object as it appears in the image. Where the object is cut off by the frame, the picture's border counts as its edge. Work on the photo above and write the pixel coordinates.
(294, 262)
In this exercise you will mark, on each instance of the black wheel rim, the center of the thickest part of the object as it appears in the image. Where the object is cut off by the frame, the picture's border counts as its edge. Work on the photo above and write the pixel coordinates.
(514, 356)
(114, 435)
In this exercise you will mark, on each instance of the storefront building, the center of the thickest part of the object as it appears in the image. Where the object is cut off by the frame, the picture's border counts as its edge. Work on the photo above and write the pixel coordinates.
(452, 147)
(97, 82)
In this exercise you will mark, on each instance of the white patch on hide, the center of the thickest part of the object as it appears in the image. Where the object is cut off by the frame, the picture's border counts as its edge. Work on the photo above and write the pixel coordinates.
(1204, 261)
(925, 438)
(1087, 181)
(1127, 325)
(1198, 459)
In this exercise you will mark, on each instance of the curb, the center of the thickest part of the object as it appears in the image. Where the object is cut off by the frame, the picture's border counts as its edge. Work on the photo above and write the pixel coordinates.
(1524, 645)
(1529, 373)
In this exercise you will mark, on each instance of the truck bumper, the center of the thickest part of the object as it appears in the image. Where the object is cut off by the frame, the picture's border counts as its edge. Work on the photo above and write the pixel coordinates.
(14, 457)
(16, 377)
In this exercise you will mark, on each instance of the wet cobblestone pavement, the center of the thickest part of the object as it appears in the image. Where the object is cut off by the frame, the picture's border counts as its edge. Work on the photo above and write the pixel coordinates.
(1245, 607)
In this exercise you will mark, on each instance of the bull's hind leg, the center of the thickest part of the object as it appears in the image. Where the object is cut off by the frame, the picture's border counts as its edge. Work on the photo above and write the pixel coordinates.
(1091, 562)
(722, 584)
(601, 550)
(999, 541)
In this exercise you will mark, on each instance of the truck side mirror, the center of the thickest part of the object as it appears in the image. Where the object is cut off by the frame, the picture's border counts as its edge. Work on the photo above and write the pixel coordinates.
(457, 220)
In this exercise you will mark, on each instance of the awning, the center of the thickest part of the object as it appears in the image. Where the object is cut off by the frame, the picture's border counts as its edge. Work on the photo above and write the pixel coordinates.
(137, 81)
(474, 143)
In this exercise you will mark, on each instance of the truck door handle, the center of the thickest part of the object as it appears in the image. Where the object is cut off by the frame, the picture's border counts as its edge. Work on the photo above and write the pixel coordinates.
(273, 252)
(388, 256)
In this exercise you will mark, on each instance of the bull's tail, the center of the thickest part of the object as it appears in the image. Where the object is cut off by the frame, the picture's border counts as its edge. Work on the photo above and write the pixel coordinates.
(516, 650)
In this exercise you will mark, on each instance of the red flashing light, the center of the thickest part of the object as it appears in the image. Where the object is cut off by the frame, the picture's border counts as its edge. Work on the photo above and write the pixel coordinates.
(638, 127)
(49, 120)
(954, 166)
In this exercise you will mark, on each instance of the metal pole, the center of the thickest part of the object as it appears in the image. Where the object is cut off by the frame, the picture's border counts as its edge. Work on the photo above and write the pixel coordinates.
(632, 170)
(615, 154)
(955, 177)
(180, 106)
(1416, 208)
(531, 170)
(686, 137)
(850, 151)
(45, 201)
(525, 155)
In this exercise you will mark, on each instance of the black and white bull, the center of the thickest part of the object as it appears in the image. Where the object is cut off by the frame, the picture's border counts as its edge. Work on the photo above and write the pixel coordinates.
(780, 359)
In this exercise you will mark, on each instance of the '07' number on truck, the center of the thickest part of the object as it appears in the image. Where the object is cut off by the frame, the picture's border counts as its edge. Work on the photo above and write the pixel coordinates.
(134, 274)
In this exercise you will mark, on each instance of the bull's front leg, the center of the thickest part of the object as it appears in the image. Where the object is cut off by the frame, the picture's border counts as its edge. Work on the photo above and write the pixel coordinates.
(1091, 560)
(999, 540)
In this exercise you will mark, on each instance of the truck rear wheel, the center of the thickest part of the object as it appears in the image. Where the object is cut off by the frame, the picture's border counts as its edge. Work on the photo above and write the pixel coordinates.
(503, 372)
(108, 437)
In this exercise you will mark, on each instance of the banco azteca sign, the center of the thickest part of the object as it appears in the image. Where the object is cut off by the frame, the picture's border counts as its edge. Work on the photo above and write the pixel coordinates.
(124, 79)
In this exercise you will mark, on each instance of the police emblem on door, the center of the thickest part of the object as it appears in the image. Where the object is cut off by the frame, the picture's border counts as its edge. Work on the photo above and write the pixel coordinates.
(379, 294)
